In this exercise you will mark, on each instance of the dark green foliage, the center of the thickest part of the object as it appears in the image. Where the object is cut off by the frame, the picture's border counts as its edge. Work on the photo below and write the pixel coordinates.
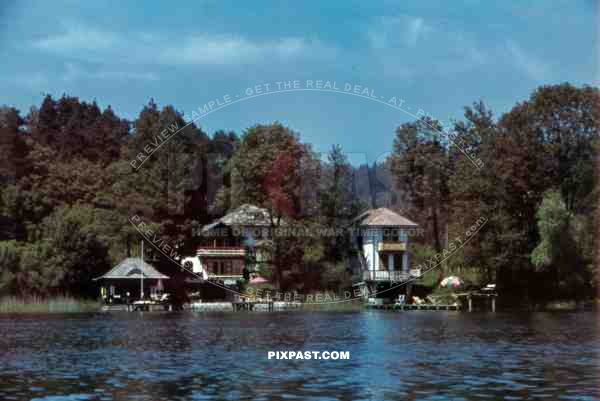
(259, 156)
(78, 129)
(421, 165)
(339, 203)
(547, 142)
(69, 189)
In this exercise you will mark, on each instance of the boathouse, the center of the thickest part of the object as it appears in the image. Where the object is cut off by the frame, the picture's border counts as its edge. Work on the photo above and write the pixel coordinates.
(124, 282)
(382, 241)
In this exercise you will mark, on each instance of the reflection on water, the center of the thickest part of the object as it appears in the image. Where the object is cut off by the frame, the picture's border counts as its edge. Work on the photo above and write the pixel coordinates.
(393, 356)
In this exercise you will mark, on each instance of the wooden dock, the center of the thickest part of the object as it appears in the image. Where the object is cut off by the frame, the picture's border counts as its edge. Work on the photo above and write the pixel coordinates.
(466, 299)
(133, 307)
(249, 305)
(488, 297)
(402, 307)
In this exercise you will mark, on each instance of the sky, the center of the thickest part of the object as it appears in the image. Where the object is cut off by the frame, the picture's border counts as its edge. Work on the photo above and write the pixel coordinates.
(436, 56)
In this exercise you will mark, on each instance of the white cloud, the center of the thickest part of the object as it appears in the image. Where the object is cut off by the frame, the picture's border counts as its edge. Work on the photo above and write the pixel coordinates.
(528, 63)
(399, 31)
(415, 29)
(76, 37)
(407, 47)
(208, 49)
(86, 53)
(75, 72)
(141, 48)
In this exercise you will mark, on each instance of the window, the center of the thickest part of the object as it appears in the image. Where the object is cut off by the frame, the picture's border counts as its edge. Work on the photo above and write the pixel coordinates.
(213, 267)
(398, 261)
(383, 262)
(390, 234)
(238, 267)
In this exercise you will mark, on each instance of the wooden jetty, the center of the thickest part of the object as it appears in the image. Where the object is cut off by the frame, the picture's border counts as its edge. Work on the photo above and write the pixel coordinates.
(249, 305)
(466, 299)
(488, 297)
(399, 307)
(135, 307)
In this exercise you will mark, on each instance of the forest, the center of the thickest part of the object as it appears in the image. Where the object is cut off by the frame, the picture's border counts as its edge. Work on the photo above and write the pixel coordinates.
(69, 189)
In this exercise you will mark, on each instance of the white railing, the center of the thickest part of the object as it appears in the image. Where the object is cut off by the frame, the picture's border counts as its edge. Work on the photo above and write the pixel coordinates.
(395, 276)
(221, 251)
(214, 276)
(383, 275)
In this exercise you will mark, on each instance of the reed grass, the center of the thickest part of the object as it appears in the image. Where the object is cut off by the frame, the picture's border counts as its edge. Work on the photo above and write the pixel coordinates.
(59, 304)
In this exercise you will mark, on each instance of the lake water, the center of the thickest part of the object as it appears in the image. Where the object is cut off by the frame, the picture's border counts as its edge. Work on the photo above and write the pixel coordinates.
(393, 356)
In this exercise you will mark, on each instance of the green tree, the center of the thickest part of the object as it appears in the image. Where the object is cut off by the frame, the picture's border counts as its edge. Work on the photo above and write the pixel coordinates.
(9, 266)
(475, 192)
(558, 255)
(546, 142)
(338, 203)
(77, 254)
(420, 164)
(274, 151)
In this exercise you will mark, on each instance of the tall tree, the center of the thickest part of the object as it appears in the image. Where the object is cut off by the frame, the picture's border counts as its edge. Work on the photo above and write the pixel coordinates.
(270, 169)
(338, 203)
(420, 164)
(558, 256)
(475, 191)
(78, 129)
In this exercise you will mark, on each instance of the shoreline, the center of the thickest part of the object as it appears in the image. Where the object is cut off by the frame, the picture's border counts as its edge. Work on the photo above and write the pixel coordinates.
(57, 305)
(60, 304)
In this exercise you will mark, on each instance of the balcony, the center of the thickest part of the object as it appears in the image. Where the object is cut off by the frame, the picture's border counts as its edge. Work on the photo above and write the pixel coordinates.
(222, 251)
(226, 279)
(392, 276)
(391, 246)
(232, 276)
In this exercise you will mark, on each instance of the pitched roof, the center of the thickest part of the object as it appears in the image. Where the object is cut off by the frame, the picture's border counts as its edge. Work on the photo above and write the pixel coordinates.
(383, 217)
(245, 215)
(131, 268)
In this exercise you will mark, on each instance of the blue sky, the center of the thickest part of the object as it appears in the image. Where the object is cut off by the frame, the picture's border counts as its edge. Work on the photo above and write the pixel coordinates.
(437, 56)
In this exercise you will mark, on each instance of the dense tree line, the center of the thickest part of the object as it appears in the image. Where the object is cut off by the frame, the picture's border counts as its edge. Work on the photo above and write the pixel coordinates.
(68, 190)
(537, 190)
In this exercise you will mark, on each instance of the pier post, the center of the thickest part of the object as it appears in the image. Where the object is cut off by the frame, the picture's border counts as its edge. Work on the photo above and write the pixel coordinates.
(470, 301)
(493, 304)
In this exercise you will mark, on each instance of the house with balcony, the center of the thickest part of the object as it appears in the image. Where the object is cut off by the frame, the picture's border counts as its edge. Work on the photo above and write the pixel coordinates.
(231, 244)
(382, 263)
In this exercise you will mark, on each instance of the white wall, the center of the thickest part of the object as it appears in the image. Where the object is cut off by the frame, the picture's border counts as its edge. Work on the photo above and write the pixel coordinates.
(371, 241)
(370, 244)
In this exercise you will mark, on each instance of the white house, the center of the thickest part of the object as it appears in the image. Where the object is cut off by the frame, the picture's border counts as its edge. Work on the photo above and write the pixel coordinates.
(225, 245)
(382, 238)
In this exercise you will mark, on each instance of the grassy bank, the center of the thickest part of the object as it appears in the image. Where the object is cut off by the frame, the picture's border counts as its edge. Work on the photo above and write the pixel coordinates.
(47, 305)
